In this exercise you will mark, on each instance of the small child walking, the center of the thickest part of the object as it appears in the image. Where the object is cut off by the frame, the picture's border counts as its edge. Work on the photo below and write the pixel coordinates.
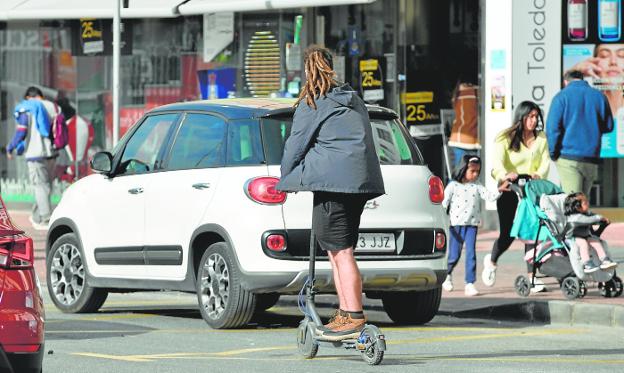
(579, 222)
(462, 199)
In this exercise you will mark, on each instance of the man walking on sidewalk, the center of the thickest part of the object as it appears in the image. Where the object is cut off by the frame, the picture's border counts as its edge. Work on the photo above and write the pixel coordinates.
(578, 116)
(32, 140)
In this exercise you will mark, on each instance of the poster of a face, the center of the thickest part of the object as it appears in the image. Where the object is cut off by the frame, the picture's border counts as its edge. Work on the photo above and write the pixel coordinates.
(600, 61)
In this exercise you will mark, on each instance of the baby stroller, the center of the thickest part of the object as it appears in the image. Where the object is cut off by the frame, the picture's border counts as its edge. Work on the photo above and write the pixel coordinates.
(540, 218)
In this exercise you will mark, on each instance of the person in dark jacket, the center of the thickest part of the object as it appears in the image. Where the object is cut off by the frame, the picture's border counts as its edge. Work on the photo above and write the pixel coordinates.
(578, 117)
(331, 152)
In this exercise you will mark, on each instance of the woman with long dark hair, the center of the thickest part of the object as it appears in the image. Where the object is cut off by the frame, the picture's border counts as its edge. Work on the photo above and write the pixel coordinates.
(331, 152)
(520, 149)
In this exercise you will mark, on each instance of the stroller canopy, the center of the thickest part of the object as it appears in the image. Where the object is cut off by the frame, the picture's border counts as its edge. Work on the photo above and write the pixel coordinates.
(526, 225)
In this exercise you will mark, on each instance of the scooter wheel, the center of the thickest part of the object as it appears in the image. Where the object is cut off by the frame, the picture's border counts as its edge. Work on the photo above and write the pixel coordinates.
(372, 345)
(306, 344)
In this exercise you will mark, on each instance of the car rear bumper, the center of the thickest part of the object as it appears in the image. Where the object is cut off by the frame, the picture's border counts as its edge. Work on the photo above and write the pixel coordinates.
(384, 279)
(21, 362)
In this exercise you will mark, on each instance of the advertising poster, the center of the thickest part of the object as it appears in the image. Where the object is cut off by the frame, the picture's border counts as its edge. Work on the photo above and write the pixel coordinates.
(593, 44)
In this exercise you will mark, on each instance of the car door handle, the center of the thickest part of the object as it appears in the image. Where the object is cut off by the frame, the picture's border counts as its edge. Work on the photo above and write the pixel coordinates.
(201, 186)
(135, 190)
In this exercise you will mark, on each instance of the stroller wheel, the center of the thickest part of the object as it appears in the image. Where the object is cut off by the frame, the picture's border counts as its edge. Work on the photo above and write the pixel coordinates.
(611, 288)
(522, 286)
(605, 289)
(583, 289)
(618, 285)
(571, 287)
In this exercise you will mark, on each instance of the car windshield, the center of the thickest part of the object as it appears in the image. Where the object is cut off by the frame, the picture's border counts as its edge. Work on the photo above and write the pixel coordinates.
(393, 144)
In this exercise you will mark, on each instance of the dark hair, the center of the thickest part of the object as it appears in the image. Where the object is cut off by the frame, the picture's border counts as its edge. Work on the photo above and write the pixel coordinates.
(572, 203)
(461, 170)
(320, 74)
(514, 133)
(572, 75)
(33, 92)
(66, 108)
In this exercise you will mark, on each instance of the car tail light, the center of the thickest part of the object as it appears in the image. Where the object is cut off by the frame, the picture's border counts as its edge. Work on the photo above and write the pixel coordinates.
(16, 252)
(436, 189)
(262, 190)
(276, 242)
(21, 348)
(440, 241)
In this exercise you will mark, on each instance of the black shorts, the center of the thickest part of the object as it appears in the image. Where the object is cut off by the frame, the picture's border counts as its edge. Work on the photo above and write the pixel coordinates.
(336, 219)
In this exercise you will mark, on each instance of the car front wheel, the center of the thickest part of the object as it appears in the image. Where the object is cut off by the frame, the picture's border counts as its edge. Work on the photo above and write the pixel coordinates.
(67, 279)
(412, 307)
(223, 302)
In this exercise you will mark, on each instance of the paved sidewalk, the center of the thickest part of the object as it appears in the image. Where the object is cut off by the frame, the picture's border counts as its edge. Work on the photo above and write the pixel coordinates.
(499, 301)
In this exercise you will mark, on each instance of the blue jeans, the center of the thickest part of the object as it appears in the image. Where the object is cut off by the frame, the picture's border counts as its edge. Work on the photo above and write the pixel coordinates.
(460, 235)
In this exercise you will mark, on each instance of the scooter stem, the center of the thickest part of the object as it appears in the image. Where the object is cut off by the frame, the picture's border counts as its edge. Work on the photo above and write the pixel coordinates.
(310, 284)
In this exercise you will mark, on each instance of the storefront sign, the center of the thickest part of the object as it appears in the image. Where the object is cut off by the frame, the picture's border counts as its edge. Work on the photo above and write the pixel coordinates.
(91, 37)
(536, 44)
(422, 114)
(218, 33)
(601, 63)
(371, 80)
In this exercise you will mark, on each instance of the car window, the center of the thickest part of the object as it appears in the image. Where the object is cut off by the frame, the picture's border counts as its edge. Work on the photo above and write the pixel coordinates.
(392, 143)
(199, 143)
(140, 153)
(244, 147)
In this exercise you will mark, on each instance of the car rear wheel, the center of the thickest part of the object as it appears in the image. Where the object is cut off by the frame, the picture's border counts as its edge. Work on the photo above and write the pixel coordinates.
(223, 302)
(67, 278)
(412, 307)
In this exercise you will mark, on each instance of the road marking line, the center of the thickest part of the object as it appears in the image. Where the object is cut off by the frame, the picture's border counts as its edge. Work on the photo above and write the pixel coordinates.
(525, 359)
(484, 336)
(113, 357)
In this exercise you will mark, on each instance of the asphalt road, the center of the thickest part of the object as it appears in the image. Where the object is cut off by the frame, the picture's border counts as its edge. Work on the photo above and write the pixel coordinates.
(164, 332)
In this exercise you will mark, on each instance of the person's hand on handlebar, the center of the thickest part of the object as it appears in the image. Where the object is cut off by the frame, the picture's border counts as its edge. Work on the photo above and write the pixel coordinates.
(605, 221)
(504, 186)
(512, 176)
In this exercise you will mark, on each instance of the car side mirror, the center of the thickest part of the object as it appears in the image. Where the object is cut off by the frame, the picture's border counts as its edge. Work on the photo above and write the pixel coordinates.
(102, 162)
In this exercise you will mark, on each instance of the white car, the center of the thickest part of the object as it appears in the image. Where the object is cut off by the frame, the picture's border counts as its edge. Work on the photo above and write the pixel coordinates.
(186, 201)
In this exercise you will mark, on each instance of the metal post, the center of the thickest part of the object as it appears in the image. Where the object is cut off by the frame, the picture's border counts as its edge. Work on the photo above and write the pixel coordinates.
(116, 54)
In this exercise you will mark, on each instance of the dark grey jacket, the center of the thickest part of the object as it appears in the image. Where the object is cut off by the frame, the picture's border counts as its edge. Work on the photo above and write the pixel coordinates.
(331, 149)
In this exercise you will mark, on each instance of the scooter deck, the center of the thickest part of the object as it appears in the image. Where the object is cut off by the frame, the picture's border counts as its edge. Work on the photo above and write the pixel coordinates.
(329, 337)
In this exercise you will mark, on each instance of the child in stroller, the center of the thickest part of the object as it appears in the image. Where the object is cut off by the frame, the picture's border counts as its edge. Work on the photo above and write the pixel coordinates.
(541, 218)
(579, 225)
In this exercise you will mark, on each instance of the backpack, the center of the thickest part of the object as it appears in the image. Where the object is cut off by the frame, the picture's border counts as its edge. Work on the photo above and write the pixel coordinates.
(59, 134)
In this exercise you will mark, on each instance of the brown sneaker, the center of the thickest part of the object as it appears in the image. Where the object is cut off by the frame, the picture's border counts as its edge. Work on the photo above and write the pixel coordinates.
(336, 319)
(348, 325)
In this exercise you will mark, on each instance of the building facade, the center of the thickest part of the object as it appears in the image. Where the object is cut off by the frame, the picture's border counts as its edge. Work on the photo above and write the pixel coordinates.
(402, 54)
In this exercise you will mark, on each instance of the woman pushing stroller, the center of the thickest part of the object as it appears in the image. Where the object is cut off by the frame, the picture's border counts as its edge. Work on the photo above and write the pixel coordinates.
(579, 226)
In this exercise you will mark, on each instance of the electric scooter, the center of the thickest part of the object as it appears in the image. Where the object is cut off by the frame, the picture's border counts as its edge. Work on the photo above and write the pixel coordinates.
(370, 342)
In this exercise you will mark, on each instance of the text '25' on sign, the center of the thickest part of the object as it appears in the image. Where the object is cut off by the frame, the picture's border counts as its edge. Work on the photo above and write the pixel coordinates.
(371, 80)
(420, 108)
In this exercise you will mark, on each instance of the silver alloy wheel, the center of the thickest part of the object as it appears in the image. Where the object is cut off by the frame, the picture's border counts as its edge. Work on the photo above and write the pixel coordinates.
(215, 286)
(67, 274)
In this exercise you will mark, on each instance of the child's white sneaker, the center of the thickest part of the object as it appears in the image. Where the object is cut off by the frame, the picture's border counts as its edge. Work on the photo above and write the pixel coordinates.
(470, 290)
(448, 283)
(488, 276)
(538, 287)
(607, 264)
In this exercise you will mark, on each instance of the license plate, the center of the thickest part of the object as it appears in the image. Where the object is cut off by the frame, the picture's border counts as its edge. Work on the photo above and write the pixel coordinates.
(375, 243)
